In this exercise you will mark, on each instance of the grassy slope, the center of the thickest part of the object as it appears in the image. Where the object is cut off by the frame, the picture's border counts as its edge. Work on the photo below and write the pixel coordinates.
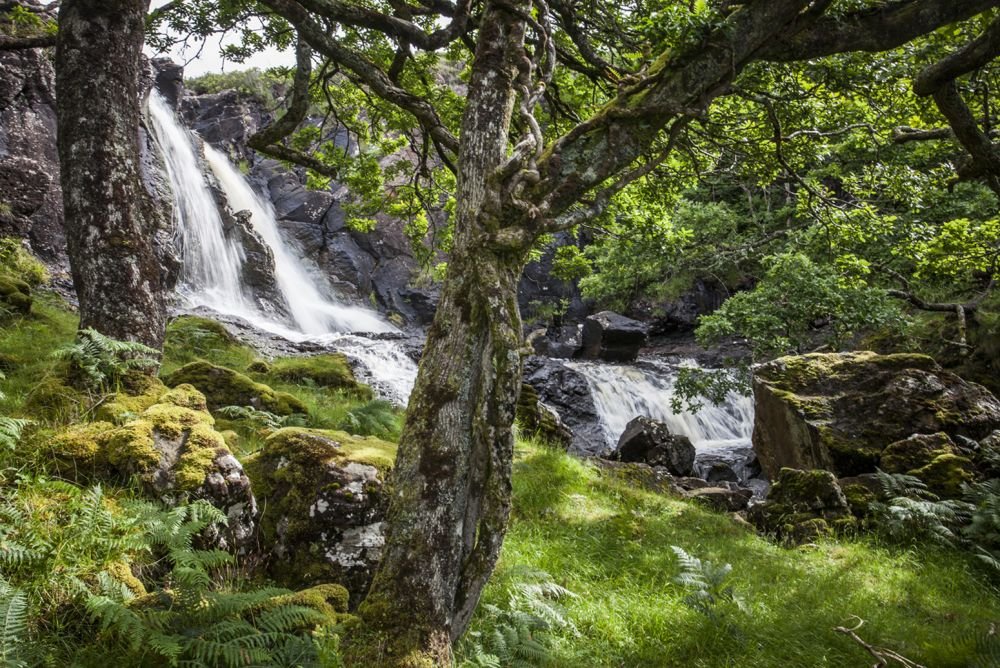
(609, 542)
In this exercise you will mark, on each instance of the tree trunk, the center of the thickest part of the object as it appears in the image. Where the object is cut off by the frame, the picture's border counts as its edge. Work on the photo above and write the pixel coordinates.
(110, 217)
(451, 482)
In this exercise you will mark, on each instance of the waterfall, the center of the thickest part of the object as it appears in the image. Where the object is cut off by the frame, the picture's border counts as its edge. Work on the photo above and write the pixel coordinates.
(212, 262)
(623, 392)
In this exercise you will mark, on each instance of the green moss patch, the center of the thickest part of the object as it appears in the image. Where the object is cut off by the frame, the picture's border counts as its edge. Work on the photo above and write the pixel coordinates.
(226, 387)
(330, 370)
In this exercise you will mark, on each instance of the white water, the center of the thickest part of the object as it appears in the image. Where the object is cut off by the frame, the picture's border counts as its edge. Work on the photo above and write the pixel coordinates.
(623, 392)
(211, 274)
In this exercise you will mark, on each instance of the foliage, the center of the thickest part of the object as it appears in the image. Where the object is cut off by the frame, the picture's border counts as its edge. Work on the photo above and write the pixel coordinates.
(11, 430)
(258, 420)
(983, 528)
(260, 84)
(377, 417)
(694, 385)
(98, 361)
(709, 590)
(913, 513)
(516, 634)
(20, 263)
(13, 624)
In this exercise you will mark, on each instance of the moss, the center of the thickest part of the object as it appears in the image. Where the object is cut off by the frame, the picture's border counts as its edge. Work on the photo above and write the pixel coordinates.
(328, 599)
(225, 387)
(171, 420)
(202, 446)
(122, 572)
(258, 366)
(53, 399)
(859, 498)
(124, 406)
(329, 370)
(15, 294)
(915, 452)
(232, 439)
(946, 474)
(80, 445)
(330, 445)
(185, 396)
(131, 448)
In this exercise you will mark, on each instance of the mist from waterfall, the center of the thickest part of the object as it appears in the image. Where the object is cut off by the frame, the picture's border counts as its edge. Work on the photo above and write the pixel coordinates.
(623, 392)
(212, 262)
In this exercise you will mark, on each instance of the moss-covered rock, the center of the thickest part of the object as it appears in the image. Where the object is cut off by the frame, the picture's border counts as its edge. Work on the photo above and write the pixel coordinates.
(122, 572)
(55, 400)
(802, 505)
(258, 366)
(15, 294)
(79, 449)
(330, 370)
(225, 387)
(330, 600)
(324, 504)
(946, 474)
(840, 411)
(125, 406)
(915, 452)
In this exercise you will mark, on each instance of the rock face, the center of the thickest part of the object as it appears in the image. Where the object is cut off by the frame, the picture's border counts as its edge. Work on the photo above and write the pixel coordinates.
(324, 506)
(646, 440)
(567, 391)
(612, 337)
(29, 164)
(841, 412)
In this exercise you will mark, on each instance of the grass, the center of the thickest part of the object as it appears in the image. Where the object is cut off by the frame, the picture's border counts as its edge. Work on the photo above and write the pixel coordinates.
(609, 542)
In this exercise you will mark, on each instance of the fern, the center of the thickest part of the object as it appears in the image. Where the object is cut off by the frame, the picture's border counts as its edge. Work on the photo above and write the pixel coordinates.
(13, 624)
(259, 420)
(374, 418)
(914, 513)
(99, 361)
(707, 584)
(11, 430)
(518, 634)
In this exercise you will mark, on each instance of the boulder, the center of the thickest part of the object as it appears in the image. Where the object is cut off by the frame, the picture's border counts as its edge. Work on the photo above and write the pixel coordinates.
(172, 448)
(324, 506)
(840, 411)
(649, 441)
(724, 499)
(330, 370)
(258, 270)
(801, 506)
(225, 387)
(612, 337)
(538, 420)
(15, 295)
(568, 393)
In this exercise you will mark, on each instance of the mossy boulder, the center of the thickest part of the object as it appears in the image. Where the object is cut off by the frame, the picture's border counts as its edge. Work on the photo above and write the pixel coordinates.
(840, 411)
(330, 600)
(538, 420)
(225, 387)
(258, 366)
(324, 504)
(330, 370)
(946, 474)
(915, 452)
(802, 505)
(15, 294)
(174, 452)
(127, 405)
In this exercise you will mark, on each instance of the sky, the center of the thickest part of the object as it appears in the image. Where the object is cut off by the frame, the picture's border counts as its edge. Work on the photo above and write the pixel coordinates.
(208, 59)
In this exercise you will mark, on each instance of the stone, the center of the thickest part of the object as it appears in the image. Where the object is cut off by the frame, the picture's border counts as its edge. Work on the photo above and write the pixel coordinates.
(15, 295)
(567, 392)
(226, 387)
(722, 499)
(840, 411)
(330, 370)
(802, 505)
(612, 337)
(541, 421)
(649, 441)
(915, 452)
(324, 506)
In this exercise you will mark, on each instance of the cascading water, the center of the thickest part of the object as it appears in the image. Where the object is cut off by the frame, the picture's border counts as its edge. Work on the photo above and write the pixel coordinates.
(622, 393)
(212, 275)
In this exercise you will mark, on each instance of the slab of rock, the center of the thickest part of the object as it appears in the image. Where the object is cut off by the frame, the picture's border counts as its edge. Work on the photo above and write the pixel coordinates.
(802, 506)
(723, 499)
(541, 421)
(646, 440)
(568, 393)
(612, 337)
(840, 411)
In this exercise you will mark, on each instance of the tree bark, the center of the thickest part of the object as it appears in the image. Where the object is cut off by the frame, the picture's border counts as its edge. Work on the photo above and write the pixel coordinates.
(110, 217)
(451, 482)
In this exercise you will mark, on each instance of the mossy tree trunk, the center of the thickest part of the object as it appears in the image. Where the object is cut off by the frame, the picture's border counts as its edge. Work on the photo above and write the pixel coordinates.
(110, 217)
(451, 482)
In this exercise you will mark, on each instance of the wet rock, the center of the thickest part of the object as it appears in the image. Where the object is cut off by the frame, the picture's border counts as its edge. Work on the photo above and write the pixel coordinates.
(568, 393)
(538, 420)
(612, 337)
(649, 441)
(560, 342)
(258, 270)
(841, 411)
(169, 79)
(324, 506)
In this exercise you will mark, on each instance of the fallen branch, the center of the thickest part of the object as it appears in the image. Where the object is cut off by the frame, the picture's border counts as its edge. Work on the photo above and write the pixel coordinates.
(882, 655)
